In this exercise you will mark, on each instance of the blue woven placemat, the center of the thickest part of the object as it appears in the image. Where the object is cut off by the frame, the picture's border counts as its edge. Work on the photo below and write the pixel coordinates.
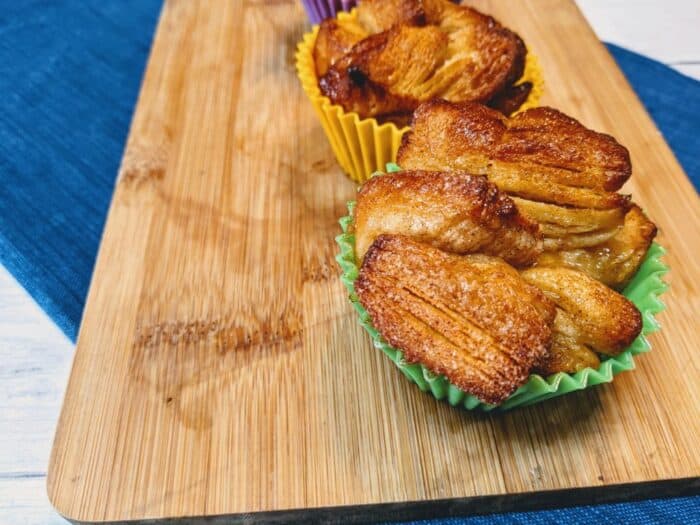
(69, 76)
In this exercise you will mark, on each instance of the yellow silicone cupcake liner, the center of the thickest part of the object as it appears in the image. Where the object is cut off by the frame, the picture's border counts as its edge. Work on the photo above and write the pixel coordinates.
(363, 146)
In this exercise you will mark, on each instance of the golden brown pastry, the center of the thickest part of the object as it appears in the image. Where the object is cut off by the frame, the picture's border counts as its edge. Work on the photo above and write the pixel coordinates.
(614, 261)
(596, 316)
(379, 15)
(539, 154)
(566, 354)
(565, 227)
(399, 53)
(333, 41)
(456, 212)
(559, 173)
(470, 318)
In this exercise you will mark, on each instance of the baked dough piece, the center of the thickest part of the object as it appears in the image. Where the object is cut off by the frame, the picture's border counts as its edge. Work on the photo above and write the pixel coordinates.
(566, 354)
(399, 53)
(590, 318)
(453, 211)
(614, 261)
(470, 318)
(559, 173)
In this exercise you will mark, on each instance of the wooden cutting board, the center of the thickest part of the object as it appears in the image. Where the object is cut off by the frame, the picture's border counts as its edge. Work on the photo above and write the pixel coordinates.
(220, 369)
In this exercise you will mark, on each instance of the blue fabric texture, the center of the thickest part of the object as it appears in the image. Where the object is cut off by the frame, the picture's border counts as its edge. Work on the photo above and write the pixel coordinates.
(666, 511)
(69, 77)
(672, 100)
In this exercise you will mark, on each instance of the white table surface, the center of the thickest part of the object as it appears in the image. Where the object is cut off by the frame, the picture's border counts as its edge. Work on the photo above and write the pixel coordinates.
(36, 356)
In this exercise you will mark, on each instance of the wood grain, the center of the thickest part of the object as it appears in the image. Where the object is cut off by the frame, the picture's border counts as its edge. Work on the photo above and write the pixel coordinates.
(219, 368)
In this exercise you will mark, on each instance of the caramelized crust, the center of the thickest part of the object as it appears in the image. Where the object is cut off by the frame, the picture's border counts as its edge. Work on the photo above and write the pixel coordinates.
(333, 41)
(470, 318)
(614, 261)
(353, 83)
(399, 53)
(600, 318)
(456, 212)
(567, 354)
(567, 228)
(510, 99)
(376, 16)
(560, 175)
(539, 154)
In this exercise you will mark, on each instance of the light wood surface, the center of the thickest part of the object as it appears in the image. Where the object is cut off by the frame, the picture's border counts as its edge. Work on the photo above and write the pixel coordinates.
(219, 367)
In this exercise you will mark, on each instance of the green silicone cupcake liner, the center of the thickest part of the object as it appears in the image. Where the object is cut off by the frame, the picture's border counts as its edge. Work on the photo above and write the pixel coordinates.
(643, 290)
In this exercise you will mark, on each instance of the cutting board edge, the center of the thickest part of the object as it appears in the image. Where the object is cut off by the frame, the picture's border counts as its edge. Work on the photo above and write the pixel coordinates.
(458, 506)
(442, 508)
